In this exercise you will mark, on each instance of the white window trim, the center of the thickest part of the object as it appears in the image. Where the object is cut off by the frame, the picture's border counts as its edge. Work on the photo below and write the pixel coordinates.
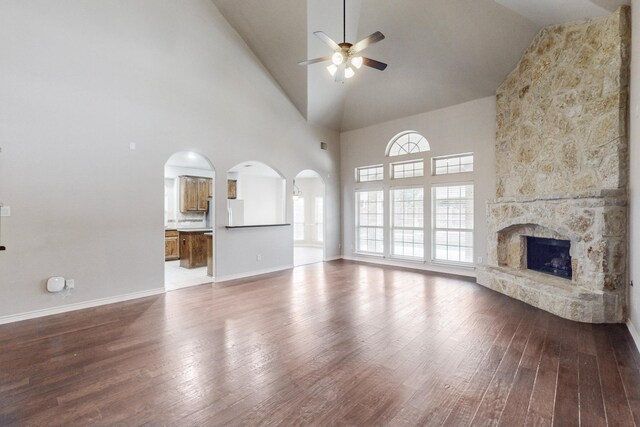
(451, 156)
(423, 258)
(390, 144)
(359, 168)
(433, 227)
(393, 164)
(357, 220)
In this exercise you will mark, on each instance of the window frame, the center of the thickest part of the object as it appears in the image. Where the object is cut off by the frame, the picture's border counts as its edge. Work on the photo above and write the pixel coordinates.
(395, 139)
(392, 166)
(357, 227)
(435, 260)
(361, 168)
(423, 258)
(303, 223)
(452, 156)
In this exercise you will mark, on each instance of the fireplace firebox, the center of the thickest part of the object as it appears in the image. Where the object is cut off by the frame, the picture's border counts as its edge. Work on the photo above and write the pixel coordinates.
(549, 256)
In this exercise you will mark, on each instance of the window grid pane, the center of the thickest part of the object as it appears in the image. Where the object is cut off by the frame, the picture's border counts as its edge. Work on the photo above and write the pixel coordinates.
(319, 219)
(370, 221)
(453, 223)
(409, 143)
(453, 164)
(298, 219)
(370, 173)
(407, 222)
(407, 169)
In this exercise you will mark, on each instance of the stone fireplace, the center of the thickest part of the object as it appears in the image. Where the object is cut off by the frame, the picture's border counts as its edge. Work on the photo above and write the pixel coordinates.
(558, 227)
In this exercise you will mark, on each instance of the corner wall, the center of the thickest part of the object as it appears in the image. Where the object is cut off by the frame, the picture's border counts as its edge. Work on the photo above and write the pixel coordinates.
(80, 82)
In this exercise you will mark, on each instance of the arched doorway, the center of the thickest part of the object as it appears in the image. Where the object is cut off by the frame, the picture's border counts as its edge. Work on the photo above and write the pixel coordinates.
(308, 218)
(189, 217)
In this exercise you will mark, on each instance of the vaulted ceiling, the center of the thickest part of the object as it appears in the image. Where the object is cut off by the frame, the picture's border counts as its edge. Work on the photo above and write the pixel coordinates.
(440, 52)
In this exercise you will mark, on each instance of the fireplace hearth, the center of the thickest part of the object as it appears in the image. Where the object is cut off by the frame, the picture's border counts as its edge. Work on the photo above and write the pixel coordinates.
(550, 256)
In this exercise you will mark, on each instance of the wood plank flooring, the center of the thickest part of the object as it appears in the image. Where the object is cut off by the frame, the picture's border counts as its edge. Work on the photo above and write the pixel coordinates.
(339, 343)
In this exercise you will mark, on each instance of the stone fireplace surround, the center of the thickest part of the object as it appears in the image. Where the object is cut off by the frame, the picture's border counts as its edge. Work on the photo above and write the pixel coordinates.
(562, 168)
(594, 223)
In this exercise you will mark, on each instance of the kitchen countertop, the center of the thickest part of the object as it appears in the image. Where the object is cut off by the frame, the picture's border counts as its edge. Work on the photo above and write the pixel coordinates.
(190, 230)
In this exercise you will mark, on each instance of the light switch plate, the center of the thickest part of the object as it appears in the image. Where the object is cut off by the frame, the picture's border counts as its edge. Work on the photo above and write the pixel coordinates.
(5, 211)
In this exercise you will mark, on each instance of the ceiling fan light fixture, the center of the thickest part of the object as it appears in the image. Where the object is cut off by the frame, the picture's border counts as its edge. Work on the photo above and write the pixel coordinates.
(348, 72)
(356, 61)
(337, 58)
(332, 69)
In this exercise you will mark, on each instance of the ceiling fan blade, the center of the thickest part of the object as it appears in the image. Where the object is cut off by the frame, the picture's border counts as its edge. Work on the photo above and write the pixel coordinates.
(315, 60)
(374, 64)
(367, 41)
(325, 38)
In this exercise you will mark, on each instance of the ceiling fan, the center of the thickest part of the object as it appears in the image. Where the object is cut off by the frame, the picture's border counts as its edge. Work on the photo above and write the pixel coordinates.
(346, 56)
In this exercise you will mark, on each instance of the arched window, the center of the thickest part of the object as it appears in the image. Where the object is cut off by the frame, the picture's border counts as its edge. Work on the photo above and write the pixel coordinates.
(407, 143)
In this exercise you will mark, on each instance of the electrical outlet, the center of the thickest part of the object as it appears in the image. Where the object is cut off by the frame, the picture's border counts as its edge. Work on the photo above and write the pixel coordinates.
(259, 257)
(479, 260)
(631, 283)
(70, 284)
(5, 210)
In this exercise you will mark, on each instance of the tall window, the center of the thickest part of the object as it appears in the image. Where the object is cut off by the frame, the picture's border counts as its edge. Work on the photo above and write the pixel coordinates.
(407, 143)
(453, 223)
(319, 219)
(407, 222)
(370, 221)
(298, 218)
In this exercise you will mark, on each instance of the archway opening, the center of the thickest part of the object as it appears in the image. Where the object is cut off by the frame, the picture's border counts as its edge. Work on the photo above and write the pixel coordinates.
(189, 217)
(308, 218)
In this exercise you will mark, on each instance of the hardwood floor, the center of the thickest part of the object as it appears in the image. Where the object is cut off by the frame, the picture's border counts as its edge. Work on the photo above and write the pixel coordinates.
(325, 344)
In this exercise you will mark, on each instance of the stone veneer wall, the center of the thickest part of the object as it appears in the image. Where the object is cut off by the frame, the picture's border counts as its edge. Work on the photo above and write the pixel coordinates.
(561, 114)
(562, 165)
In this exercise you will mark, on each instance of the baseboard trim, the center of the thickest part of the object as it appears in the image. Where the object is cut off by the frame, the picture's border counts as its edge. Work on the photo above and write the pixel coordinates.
(415, 266)
(78, 306)
(334, 258)
(634, 333)
(252, 273)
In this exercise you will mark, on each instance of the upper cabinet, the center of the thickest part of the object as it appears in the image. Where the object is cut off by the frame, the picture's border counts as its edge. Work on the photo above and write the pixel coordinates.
(194, 193)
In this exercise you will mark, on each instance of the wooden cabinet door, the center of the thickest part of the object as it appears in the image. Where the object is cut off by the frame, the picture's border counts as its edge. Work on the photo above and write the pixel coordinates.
(199, 250)
(203, 194)
(188, 194)
(171, 248)
(210, 184)
(185, 250)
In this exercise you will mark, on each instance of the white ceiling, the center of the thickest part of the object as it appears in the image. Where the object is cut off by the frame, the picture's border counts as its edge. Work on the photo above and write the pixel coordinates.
(440, 52)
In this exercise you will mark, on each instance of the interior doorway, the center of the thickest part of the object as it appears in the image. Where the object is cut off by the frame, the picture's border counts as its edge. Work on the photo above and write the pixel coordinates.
(308, 218)
(189, 220)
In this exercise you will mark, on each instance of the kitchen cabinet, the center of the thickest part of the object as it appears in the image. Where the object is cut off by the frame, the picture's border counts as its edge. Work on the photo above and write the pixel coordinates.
(171, 245)
(193, 249)
(194, 193)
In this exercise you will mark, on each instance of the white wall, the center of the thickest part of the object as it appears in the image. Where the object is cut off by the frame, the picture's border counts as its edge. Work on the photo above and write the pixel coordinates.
(634, 183)
(468, 127)
(81, 80)
(263, 199)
